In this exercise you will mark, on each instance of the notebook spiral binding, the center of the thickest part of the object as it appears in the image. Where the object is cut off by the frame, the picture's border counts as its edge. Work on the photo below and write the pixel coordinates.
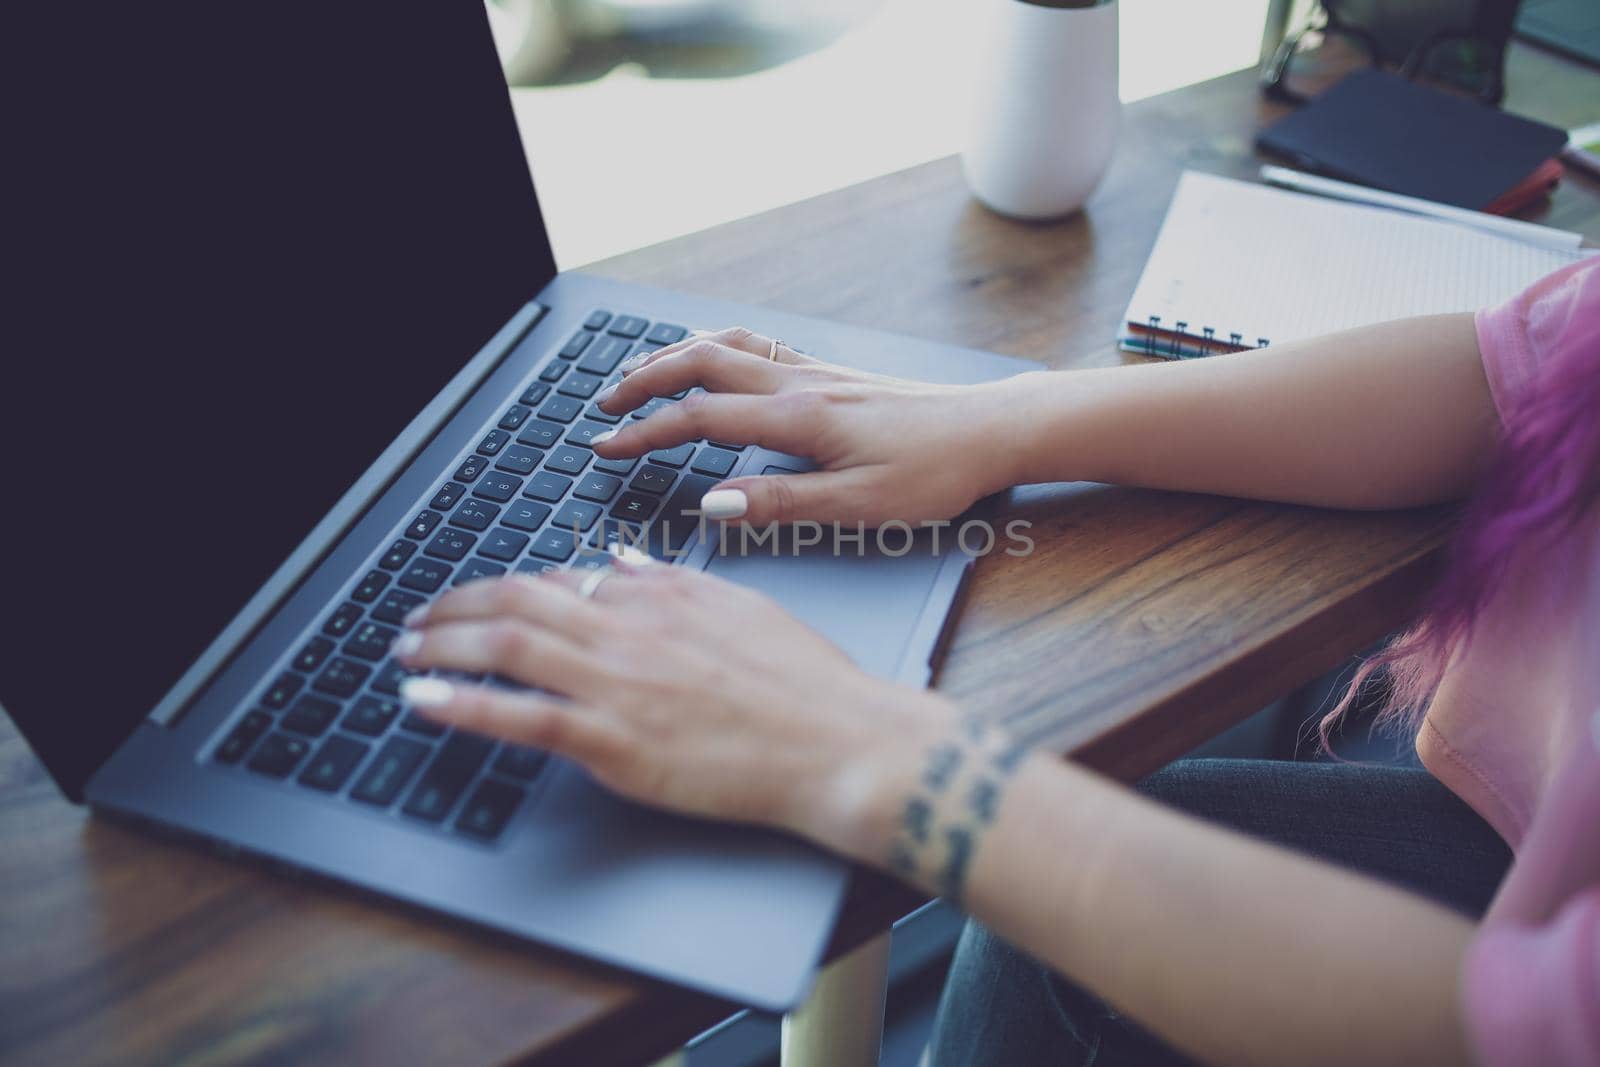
(1179, 342)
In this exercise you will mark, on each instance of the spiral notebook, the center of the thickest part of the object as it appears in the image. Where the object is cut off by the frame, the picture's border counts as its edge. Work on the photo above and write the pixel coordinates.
(1239, 265)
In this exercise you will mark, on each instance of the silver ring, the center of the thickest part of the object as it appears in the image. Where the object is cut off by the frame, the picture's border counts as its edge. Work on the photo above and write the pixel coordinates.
(772, 352)
(592, 582)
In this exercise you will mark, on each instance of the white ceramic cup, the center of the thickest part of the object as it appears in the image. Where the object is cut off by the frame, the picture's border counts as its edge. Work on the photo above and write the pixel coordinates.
(1046, 111)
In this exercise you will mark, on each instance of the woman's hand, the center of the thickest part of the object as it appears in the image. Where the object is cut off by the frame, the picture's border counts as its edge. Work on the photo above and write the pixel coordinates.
(680, 690)
(886, 448)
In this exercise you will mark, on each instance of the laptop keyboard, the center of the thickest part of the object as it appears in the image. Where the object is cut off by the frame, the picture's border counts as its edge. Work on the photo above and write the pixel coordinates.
(530, 496)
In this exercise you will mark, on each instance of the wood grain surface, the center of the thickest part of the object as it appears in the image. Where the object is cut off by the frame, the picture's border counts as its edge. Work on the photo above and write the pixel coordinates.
(1143, 623)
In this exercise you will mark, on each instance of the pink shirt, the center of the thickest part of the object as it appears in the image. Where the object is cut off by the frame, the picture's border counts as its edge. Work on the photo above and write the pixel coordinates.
(1515, 732)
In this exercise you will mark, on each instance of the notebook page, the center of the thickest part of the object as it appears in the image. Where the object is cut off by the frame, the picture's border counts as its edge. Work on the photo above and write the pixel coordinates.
(1268, 263)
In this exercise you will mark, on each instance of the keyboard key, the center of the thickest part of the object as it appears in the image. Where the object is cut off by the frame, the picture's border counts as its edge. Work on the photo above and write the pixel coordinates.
(282, 690)
(475, 568)
(371, 715)
(449, 494)
(547, 486)
(449, 543)
(534, 393)
(489, 808)
(371, 586)
(242, 736)
(515, 416)
(727, 446)
(614, 536)
(397, 555)
(311, 715)
(555, 544)
(680, 518)
(536, 567)
(389, 771)
(540, 434)
(604, 357)
(597, 320)
(526, 515)
(426, 575)
(343, 620)
(651, 406)
(389, 678)
(498, 486)
(636, 507)
(418, 725)
(582, 386)
(567, 459)
(629, 326)
(598, 487)
(396, 605)
(672, 457)
(279, 754)
(714, 461)
(447, 776)
(585, 432)
(342, 677)
(470, 468)
(423, 525)
(577, 515)
(653, 479)
(615, 466)
(519, 761)
(665, 333)
(553, 372)
(333, 763)
(594, 414)
(519, 459)
(310, 658)
(561, 409)
(503, 544)
(574, 348)
(474, 514)
(493, 442)
(370, 641)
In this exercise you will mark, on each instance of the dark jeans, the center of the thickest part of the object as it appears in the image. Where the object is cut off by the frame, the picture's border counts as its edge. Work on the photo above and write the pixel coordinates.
(1394, 823)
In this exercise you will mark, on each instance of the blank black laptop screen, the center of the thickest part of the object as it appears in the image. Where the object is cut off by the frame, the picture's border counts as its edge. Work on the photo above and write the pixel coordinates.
(253, 240)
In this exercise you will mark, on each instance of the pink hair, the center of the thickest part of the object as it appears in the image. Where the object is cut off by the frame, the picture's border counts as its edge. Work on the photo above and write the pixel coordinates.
(1543, 480)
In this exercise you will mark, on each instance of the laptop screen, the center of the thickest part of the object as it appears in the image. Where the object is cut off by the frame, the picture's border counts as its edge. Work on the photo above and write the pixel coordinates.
(252, 241)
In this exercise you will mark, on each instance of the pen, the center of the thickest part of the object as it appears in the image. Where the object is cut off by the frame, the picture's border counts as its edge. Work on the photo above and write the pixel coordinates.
(1526, 232)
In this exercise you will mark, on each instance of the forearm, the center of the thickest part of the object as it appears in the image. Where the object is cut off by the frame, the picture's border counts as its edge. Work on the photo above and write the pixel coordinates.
(1392, 415)
(1231, 949)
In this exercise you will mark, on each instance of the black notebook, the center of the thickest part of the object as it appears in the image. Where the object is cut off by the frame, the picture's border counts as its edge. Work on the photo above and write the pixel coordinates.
(1382, 130)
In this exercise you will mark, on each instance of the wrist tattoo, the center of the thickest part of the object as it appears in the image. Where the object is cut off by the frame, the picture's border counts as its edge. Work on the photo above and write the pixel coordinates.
(957, 797)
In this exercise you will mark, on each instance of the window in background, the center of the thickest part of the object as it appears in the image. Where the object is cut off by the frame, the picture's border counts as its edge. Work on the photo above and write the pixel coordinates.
(655, 118)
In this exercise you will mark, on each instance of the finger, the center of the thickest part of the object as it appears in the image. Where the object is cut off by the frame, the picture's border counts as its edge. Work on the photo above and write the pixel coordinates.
(776, 422)
(736, 337)
(514, 596)
(532, 719)
(712, 366)
(819, 496)
(511, 648)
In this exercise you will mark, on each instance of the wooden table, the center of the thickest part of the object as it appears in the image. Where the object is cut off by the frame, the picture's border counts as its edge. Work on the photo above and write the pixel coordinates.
(1144, 623)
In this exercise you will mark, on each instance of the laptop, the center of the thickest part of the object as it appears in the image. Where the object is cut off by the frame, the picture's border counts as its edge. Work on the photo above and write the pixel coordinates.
(290, 356)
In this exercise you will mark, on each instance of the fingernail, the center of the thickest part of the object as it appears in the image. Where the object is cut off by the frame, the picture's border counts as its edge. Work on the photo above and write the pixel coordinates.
(633, 363)
(415, 616)
(606, 394)
(407, 643)
(724, 504)
(602, 438)
(426, 692)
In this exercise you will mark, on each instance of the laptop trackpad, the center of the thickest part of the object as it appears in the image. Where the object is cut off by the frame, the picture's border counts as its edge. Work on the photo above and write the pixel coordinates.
(868, 604)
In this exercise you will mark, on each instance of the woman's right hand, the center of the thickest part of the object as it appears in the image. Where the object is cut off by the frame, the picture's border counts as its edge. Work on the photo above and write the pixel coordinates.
(886, 448)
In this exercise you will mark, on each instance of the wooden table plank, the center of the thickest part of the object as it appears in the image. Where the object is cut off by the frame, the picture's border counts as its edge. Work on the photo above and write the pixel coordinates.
(1144, 622)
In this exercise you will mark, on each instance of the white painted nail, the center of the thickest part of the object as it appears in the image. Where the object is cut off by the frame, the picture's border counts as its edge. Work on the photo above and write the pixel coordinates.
(633, 363)
(606, 394)
(724, 504)
(426, 692)
(407, 643)
(602, 438)
(415, 616)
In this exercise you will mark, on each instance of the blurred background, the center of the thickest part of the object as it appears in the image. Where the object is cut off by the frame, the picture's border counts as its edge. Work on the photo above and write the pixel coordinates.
(710, 110)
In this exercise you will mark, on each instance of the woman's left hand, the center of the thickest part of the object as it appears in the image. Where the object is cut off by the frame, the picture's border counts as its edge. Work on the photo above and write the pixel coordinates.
(677, 689)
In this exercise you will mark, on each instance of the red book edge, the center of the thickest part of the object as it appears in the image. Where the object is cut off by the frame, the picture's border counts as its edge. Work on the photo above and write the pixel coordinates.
(1544, 178)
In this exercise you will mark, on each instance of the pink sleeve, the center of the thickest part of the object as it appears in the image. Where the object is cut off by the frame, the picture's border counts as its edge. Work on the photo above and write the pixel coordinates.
(1515, 337)
(1533, 992)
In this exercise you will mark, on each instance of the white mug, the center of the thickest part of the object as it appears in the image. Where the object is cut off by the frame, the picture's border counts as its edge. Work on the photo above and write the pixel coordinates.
(1046, 109)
